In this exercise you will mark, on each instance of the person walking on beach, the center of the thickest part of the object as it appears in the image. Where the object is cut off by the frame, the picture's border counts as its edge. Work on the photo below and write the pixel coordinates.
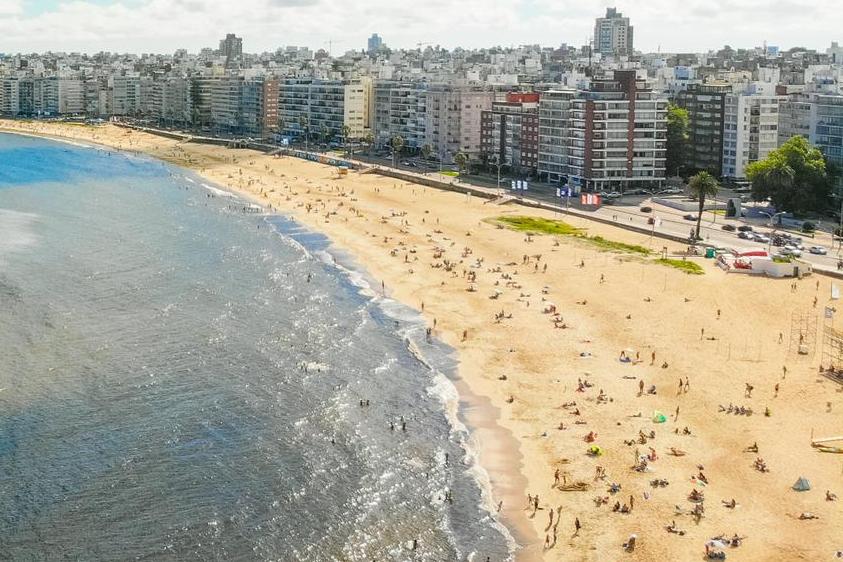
(577, 526)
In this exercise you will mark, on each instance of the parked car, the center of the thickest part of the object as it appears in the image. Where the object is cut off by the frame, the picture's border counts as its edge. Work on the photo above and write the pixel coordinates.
(745, 235)
(818, 250)
(761, 238)
(745, 228)
(646, 209)
(728, 227)
(690, 217)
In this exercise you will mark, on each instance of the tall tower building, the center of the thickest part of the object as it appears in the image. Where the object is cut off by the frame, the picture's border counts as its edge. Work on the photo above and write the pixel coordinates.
(375, 43)
(613, 34)
(231, 48)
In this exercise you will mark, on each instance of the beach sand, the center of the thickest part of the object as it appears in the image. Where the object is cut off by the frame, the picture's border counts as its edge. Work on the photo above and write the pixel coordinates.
(398, 231)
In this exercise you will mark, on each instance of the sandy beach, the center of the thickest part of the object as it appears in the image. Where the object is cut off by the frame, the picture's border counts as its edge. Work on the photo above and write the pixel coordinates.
(566, 346)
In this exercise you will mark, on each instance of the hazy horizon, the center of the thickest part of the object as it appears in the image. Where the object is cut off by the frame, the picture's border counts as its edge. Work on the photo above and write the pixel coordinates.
(163, 26)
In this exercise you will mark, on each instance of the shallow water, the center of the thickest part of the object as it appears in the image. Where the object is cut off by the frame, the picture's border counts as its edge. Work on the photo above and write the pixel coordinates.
(182, 380)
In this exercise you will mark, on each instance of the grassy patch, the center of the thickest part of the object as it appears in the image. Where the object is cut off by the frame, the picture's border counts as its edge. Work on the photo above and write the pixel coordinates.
(541, 226)
(450, 173)
(560, 228)
(688, 267)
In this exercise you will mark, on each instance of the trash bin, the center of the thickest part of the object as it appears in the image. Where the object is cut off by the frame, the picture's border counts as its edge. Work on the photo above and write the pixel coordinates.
(710, 252)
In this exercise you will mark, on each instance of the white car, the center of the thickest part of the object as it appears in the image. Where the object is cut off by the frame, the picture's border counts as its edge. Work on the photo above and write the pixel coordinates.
(818, 250)
(791, 251)
(761, 238)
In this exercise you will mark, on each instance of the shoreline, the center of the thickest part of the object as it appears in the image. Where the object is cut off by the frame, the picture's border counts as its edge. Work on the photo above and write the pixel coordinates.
(476, 412)
(526, 372)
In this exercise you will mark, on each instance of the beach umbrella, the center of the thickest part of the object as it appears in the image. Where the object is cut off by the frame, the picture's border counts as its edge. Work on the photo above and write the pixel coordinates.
(659, 417)
(595, 451)
(802, 485)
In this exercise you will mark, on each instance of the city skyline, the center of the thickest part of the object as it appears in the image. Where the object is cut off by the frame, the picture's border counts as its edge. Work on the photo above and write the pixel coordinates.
(162, 26)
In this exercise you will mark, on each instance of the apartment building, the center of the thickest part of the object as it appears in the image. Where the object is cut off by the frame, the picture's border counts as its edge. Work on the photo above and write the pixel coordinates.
(10, 105)
(554, 119)
(399, 110)
(324, 106)
(706, 105)
(819, 118)
(611, 137)
(510, 133)
(453, 116)
(124, 95)
(612, 34)
(750, 131)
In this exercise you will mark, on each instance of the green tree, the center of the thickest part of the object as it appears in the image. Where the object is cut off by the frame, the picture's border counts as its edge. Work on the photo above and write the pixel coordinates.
(426, 151)
(796, 178)
(678, 127)
(702, 185)
(461, 160)
(369, 141)
(397, 143)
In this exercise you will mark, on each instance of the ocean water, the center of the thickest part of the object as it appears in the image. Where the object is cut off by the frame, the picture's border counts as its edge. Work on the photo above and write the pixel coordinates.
(181, 380)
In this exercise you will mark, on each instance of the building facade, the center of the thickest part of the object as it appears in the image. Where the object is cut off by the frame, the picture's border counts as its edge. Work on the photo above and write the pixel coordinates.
(323, 108)
(611, 137)
(510, 133)
(612, 34)
(706, 105)
(399, 111)
(750, 131)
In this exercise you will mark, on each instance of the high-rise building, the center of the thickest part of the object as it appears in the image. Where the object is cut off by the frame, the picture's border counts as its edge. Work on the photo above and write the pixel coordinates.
(452, 118)
(232, 49)
(611, 137)
(510, 133)
(613, 34)
(323, 107)
(819, 118)
(375, 43)
(399, 111)
(706, 105)
(750, 130)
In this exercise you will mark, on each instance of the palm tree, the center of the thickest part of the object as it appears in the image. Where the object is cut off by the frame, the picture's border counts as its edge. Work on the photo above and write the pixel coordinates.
(369, 141)
(461, 159)
(346, 131)
(304, 124)
(397, 144)
(703, 185)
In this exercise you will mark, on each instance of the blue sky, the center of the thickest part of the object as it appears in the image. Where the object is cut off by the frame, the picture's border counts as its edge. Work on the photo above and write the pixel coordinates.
(165, 25)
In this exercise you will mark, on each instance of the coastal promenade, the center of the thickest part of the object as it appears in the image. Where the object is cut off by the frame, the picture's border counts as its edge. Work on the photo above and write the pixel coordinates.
(609, 370)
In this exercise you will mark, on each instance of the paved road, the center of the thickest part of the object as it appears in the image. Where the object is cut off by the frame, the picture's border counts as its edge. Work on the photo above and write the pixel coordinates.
(628, 211)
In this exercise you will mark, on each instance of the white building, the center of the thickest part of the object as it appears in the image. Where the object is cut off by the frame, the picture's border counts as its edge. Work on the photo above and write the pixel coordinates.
(613, 34)
(750, 130)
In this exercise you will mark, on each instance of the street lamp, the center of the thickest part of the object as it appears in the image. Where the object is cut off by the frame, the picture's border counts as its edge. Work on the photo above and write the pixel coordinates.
(771, 225)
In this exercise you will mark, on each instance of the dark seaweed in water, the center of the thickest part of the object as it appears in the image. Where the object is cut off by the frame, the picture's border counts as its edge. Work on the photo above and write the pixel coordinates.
(173, 386)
